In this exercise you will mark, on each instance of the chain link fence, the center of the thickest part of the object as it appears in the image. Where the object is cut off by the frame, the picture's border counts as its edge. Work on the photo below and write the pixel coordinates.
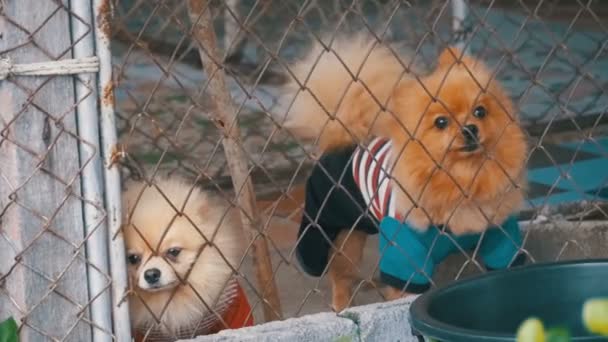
(55, 273)
(548, 55)
(197, 87)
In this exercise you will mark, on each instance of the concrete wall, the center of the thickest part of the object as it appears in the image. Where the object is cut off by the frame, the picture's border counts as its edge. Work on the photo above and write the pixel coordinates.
(545, 242)
(375, 322)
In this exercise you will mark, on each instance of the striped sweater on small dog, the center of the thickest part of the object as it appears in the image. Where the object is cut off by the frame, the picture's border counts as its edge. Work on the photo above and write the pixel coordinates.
(370, 169)
(232, 311)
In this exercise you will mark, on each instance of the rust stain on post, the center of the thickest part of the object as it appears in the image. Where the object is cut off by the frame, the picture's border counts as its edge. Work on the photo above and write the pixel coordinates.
(116, 155)
(108, 94)
(224, 115)
(104, 18)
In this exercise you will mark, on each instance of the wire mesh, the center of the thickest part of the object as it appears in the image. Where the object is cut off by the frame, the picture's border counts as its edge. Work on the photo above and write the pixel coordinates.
(547, 54)
(175, 121)
(54, 276)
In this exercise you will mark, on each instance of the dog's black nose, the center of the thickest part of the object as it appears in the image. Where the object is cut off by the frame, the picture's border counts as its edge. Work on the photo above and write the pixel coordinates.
(470, 132)
(152, 275)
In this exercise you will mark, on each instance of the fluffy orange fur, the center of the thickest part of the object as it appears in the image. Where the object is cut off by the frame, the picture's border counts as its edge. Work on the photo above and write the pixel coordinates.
(346, 89)
(367, 92)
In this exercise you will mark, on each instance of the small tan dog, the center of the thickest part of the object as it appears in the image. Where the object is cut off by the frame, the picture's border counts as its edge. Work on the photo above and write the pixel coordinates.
(182, 246)
(432, 149)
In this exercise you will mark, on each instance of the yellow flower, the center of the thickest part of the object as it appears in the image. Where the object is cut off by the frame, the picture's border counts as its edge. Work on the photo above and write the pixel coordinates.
(531, 330)
(595, 316)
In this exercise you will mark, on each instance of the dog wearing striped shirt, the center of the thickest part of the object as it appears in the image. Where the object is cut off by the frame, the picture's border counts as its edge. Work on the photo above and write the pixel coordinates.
(440, 148)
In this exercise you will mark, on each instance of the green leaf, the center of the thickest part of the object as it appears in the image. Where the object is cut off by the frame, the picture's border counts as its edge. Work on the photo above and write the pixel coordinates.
(558, 334)
(344, 339)
(8, 331)
(177, 98)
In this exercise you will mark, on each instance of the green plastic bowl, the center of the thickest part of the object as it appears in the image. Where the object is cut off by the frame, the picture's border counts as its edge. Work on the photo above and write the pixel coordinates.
(492, 306)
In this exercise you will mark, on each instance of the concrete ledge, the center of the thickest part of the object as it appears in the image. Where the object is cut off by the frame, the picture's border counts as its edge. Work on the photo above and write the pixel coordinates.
(545, 242)
(318, 327)
(388, 321)
(567, 240)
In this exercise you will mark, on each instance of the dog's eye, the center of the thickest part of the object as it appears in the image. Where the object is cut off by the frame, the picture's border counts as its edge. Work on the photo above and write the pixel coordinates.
(173, 252)
(134, 259)
(441, 122)
(480, 112)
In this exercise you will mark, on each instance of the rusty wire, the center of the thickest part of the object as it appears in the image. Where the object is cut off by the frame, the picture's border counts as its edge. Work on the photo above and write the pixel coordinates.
(171, 122)
(263, 39)
(42, 227)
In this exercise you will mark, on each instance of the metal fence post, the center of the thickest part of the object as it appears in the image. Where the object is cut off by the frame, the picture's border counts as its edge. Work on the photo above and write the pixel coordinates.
(102, 11)
(92, 178)
(459, 14)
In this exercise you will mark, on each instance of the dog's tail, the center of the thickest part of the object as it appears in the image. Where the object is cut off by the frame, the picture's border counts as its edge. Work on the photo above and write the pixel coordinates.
(341, 91)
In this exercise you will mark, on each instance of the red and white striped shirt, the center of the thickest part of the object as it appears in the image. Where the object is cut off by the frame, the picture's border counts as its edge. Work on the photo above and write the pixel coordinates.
(371, 170)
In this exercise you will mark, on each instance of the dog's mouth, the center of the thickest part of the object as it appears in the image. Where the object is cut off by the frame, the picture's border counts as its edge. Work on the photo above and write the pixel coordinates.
(470, 147)
(159, 287)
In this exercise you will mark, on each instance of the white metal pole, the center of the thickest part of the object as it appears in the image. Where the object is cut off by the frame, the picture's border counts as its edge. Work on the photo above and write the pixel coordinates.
(120, 306)
(92, 177)
(459, 13)
(231, 27)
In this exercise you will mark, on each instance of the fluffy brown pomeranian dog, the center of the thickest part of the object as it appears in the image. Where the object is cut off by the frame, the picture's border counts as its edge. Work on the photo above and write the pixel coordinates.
(182, 247)
(456, 154)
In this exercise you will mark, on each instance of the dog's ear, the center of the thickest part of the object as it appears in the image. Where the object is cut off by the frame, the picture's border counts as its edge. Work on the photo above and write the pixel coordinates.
(449, 56)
